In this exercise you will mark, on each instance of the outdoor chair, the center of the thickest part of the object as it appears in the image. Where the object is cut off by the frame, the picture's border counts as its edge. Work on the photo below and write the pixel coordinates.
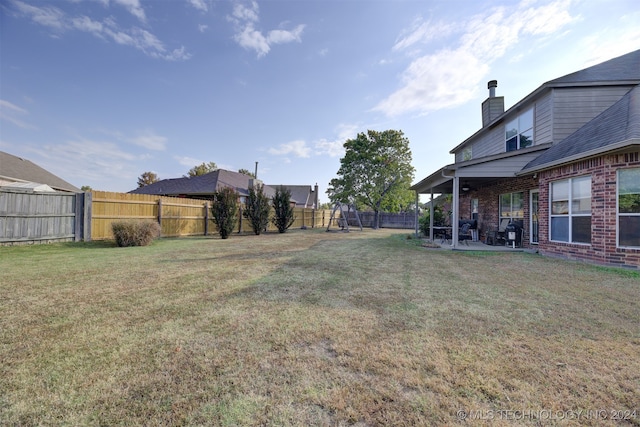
(464, 233)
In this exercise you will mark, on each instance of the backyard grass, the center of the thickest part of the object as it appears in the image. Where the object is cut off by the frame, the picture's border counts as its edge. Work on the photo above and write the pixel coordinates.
(313, 328)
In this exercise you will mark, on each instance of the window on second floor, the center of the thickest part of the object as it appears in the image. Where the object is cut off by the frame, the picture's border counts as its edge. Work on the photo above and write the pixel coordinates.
(519, 131)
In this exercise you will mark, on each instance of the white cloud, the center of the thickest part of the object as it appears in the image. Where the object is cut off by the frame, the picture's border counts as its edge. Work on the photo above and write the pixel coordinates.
(199, 4)
(202, 28)
(13, 114)
(134, 7)
(107, 29)
(245, 18)
(49, 16)
(298, 148)
(148, 139)
(450, 76)
(188, 161)
(335, 147)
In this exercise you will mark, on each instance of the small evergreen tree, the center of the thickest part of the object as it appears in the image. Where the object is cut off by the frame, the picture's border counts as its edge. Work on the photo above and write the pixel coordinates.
(281, 202)
(225, 210)
(256, 209)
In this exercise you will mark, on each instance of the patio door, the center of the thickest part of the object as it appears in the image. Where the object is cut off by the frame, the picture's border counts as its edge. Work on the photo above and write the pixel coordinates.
(533, 216)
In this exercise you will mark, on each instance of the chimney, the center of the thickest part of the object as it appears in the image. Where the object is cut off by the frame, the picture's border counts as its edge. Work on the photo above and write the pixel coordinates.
(493, 106)
(492, 85)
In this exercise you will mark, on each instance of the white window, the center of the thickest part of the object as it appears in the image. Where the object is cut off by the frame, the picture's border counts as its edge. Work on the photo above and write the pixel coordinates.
(511, 206)
(629, 207)
(467, 154)
(571, 210)
(519, 131)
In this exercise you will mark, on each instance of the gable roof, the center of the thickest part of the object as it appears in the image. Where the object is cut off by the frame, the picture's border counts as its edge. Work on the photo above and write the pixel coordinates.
(202, 185)
(17, 169)
(302, 194)
(623, 70)
(615, 128)
(620, 69)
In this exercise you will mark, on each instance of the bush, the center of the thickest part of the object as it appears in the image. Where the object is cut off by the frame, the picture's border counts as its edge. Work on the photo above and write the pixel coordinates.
(256, 210)
(132, 233)
(439, 220)
(225, 210)
(283, 218)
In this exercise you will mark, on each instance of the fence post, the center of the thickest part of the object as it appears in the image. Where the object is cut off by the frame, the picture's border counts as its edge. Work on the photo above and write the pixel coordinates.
(160, 214)
(88, 212)
(78, 212)
(206, 218)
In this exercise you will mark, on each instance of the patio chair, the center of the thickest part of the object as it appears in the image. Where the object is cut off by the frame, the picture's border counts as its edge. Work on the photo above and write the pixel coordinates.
(464, 234)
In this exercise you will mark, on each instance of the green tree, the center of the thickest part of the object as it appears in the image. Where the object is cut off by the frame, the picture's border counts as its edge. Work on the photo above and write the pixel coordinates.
(283, 216)
(86, 188)
(246, 172)
(201, 169)
(256, 209)
(147, 178)
(225, 210)
(375, 172)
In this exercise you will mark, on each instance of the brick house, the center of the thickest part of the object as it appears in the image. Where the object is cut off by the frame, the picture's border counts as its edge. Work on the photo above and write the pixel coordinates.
(563, 162)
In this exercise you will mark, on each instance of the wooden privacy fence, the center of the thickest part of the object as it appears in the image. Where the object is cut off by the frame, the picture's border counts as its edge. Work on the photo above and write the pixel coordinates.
(177, 216)
(28, 217)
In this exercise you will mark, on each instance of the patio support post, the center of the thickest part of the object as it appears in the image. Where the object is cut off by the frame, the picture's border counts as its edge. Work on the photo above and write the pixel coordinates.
(431, 211)
(417, 215)
(456, 206)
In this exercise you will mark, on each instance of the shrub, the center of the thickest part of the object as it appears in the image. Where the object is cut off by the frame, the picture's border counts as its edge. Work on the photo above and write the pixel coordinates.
(256, 209)
(439, 220)
(283, 211)
(132, 233)
(225, 210)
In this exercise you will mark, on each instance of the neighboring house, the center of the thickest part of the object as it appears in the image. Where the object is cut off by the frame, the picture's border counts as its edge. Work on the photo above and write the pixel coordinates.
(203, 186)
(21, 174)
(564, 160)
(305, 196)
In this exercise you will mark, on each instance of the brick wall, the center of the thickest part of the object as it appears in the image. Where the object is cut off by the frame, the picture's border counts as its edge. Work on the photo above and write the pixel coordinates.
(489, 204)
(602, 250)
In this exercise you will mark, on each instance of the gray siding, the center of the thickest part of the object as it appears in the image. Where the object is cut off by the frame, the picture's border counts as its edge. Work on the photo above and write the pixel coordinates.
(574, 107)
(542, 132)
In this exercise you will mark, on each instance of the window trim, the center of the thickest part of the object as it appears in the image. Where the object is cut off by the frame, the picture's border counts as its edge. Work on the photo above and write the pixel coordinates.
(618, 214)
(520, 131)
(570, 215)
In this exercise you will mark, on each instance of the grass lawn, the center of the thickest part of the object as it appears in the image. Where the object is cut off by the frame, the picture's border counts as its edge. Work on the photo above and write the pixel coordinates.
(313, 328)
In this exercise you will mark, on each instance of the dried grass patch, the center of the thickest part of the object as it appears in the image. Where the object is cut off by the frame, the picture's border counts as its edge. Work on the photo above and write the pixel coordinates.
(335, 329)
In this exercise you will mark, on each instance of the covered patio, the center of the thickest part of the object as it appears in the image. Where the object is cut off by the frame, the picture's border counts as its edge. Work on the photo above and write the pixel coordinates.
(466, 178)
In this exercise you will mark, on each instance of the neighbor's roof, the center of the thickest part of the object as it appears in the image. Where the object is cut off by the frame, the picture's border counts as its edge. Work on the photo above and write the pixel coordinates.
(17, 169)
(202, 185)
(302, 194)
(615, 128)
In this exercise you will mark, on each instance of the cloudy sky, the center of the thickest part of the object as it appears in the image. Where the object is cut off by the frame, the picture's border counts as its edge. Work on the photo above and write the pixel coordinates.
(100, 91)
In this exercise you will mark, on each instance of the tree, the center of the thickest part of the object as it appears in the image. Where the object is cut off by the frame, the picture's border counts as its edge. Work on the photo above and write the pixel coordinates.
(225, 210)
(375, 172)
(257, 209)
(86, 188)
(246, 172)
(201, 169)
(147, 178)
(283, 217)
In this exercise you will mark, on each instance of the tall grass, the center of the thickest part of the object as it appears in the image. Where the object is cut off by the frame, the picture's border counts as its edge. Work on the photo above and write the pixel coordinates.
(362, 328)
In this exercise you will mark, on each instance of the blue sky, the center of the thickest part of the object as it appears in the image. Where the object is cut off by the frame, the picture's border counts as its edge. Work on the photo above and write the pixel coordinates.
(100, 91)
